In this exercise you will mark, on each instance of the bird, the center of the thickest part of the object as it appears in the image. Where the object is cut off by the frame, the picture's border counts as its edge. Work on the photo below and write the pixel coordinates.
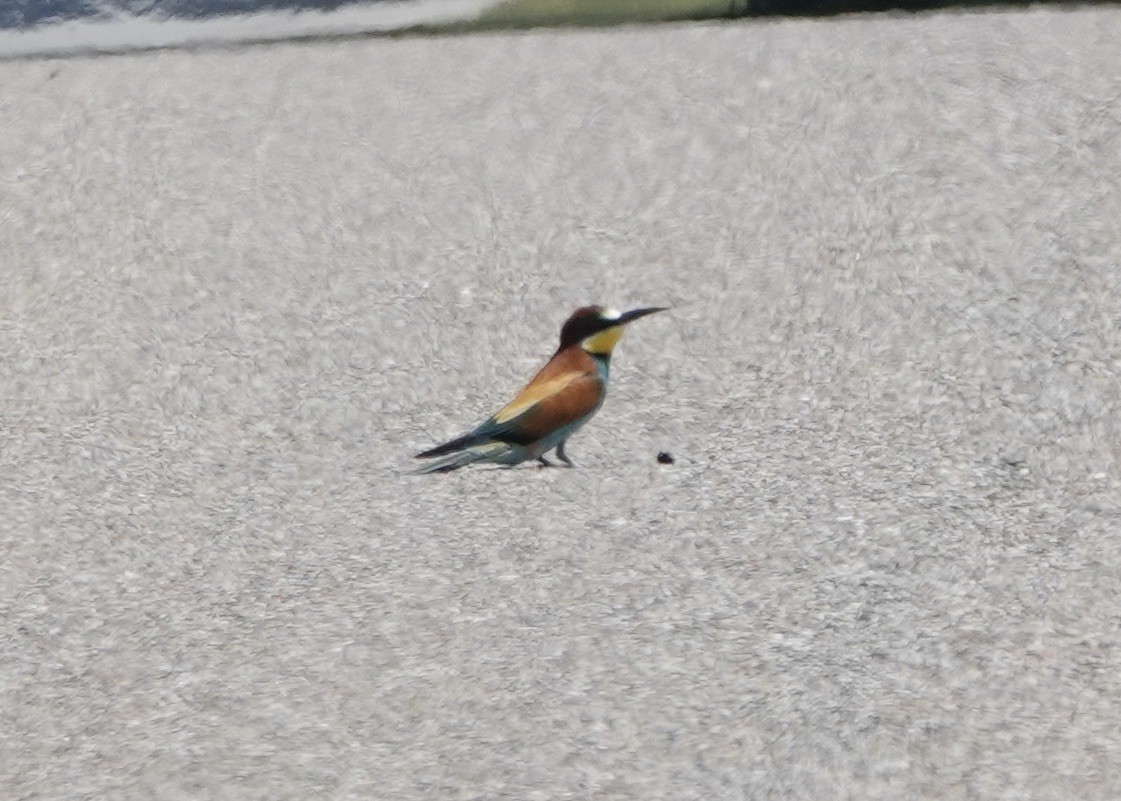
(562, 397)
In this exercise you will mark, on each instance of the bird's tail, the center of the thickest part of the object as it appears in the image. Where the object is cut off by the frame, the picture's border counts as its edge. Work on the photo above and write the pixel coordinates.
(460, 453)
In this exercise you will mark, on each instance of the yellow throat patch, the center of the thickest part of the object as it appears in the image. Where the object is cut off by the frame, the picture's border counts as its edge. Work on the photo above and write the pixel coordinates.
(603, 343)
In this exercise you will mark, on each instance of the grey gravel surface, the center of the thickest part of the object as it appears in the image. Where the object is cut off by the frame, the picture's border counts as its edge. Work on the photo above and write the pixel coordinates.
(240, 288)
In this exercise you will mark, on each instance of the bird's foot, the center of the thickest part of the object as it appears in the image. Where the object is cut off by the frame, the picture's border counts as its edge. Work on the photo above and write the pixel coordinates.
(545, 462)
(560, 455)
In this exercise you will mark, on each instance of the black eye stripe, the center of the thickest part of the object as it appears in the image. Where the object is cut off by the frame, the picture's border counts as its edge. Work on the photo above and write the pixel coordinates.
(581, 328)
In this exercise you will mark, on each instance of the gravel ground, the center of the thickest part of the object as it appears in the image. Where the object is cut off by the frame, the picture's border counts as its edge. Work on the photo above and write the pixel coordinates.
(242, 287)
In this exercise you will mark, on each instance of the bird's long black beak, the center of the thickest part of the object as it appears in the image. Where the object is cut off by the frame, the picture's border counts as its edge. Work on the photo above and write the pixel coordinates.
(631, 316)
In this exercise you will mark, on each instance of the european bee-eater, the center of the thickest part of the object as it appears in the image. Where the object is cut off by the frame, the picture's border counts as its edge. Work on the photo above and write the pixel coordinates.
(561, 397)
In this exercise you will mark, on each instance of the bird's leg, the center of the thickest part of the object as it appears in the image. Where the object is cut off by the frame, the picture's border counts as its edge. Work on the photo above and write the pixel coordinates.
(561, 456)
(545, 462)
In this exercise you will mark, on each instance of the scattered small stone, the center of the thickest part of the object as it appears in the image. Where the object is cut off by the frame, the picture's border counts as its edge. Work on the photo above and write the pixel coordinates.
(665, 458)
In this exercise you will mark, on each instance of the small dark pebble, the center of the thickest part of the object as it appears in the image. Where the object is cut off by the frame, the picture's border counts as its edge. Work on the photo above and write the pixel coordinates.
(665, 458)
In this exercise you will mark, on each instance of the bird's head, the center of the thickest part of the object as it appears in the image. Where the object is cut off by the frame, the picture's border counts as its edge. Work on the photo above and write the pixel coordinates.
(597, 329)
